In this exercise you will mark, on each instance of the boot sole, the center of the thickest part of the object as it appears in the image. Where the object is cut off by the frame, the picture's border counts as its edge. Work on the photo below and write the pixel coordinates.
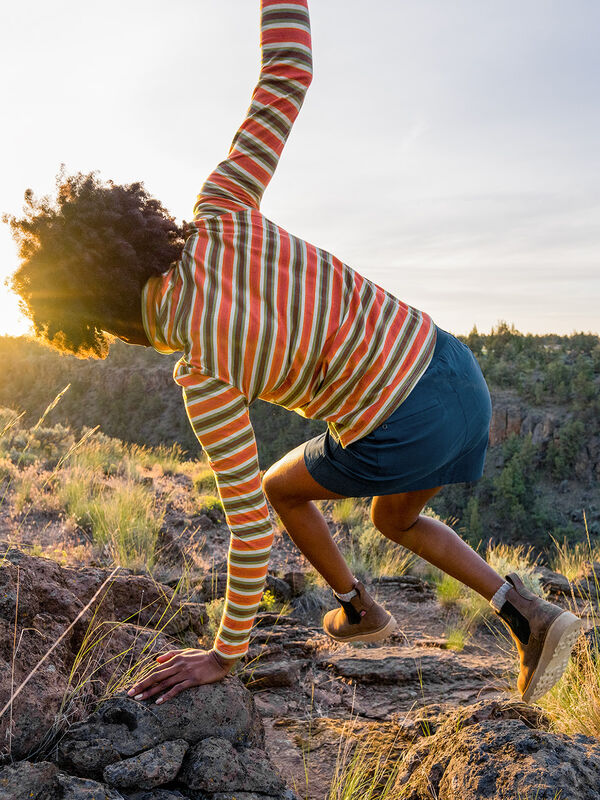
(373, 636)
(561, 636)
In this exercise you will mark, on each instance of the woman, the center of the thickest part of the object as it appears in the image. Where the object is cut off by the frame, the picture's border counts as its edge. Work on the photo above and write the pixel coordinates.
(258, 312)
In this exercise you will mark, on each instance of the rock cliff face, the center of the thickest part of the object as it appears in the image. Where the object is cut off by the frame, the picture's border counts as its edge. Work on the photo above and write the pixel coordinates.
(510, 415)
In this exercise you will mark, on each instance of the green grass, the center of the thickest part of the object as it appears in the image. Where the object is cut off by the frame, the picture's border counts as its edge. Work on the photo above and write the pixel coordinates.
(209, 504)
(366, 768)
(370, 555)
(126, 522)
(204, 480)
(448, 590)
(75, 490)
(100, 454)
(505, 558)
(571, 560)
(573, 703)
(123, 519)
(346, 512)
(457, 638)
(214, 612)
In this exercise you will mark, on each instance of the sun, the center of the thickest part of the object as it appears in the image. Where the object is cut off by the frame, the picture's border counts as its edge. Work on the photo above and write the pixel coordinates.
(12, 321)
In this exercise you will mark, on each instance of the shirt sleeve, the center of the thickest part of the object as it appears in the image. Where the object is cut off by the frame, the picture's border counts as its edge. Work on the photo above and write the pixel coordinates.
(286, 73)
(219, 416)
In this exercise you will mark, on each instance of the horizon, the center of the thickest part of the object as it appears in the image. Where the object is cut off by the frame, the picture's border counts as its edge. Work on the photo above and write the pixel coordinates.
(447, 154)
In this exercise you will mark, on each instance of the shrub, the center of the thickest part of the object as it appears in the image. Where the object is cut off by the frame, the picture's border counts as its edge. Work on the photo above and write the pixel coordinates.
(346, 512)
(211, 505)
(573, 703)
(204, 481)
(126, 522)
(370, 554)
(504, 559)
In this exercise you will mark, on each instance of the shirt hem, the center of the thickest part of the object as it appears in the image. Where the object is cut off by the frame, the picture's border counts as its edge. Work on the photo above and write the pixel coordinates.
(395, 398)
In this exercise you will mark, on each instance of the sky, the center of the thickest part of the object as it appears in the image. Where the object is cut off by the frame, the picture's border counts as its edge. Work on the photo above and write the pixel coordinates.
(447, 151)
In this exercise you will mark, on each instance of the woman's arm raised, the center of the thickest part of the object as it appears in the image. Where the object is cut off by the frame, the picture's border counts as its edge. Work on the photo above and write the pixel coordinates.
(286, 73)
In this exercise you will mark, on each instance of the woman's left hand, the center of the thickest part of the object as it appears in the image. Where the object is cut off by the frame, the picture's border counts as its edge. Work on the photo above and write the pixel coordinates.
(179, 670)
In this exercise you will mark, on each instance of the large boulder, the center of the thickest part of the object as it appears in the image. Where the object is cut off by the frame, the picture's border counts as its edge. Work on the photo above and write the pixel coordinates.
(130, 621)
(500, 751)
(206, 740)
(126, 727)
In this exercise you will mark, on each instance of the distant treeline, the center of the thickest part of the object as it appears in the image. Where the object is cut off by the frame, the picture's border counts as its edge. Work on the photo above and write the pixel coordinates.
(523, 496)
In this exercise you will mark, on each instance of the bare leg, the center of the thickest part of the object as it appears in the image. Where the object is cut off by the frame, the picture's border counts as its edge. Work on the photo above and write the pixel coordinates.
(397, 517)
(290, 489)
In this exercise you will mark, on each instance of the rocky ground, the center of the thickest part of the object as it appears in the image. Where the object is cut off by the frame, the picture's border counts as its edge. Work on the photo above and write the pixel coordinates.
(273, 730)
(298, 704)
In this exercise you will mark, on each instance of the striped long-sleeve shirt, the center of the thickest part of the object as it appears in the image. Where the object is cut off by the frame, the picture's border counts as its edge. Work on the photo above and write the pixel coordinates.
(260, 313)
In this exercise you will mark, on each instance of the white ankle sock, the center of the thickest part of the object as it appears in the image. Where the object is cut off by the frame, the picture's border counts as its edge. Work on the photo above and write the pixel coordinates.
(347, 596)
(499, 598)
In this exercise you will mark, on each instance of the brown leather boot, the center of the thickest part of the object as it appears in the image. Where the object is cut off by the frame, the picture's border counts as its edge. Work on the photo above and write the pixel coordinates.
(544, 635)
(359, 619)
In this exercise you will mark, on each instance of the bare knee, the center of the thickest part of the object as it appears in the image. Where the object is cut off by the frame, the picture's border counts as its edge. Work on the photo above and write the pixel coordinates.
(396, 515)
(279, 490)
(272, 484)
(393, 526)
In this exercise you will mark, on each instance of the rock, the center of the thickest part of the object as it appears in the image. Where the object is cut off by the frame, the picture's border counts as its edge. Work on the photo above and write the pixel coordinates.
(587, 584)
(167, 549)
(214, 765)
(273, 673)
(87, 758)
(137, 599)
(83, 789)
(213, 586)
(553, 582)
(49, 599)
(281, 589)
(27, 781)
(399, 665)
(122, 644)
(533, 716)
(296, 580)
(157, 794)
(121, 723)
(225, 709)
(265, 618)
(287, 794)
(496, 752)
(149, 769)
(411, 587)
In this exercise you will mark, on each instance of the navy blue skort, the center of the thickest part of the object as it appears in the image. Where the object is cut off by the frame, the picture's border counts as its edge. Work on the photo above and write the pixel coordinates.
(438, 435)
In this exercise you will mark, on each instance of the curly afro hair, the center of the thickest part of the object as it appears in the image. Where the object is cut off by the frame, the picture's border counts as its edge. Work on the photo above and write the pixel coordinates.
(85, 258)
